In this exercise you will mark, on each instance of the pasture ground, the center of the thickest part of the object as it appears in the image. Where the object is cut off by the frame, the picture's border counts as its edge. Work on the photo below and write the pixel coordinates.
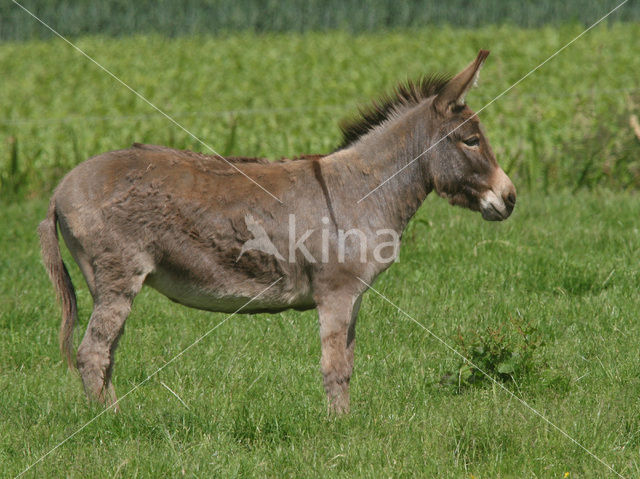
(564, 269)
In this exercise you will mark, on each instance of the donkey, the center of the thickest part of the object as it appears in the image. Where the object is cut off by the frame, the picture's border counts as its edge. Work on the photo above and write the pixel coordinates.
(177, 221)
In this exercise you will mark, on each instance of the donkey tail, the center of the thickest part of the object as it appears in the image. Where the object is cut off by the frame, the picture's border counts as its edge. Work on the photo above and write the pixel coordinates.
(61, 280)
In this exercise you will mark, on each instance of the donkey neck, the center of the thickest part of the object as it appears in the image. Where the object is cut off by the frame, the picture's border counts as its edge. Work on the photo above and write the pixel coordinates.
(379, 155)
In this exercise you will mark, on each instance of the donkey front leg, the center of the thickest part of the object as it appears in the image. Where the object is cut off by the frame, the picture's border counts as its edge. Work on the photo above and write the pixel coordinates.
(337, 332)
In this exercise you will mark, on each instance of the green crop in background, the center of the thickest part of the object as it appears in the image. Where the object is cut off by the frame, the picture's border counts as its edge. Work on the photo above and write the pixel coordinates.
(566, 126)
(169, 17)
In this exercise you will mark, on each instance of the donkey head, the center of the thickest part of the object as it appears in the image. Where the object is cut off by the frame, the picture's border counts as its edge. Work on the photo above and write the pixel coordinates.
(462, 165)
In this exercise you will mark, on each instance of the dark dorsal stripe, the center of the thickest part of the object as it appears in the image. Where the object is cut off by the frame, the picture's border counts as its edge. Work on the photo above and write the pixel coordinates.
(408, 93)
(230, 159)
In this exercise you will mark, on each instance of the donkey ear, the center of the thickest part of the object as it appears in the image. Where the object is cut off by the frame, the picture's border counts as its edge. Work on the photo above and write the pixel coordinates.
(455, 91)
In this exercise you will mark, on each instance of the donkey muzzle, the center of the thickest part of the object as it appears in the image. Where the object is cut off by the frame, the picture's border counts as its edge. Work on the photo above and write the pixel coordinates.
(497, 203)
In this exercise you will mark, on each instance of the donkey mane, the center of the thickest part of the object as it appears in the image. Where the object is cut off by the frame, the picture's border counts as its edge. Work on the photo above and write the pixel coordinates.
(406, 94)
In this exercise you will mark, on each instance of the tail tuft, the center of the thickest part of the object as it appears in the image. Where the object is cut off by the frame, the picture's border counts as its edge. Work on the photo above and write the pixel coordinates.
(61, 282)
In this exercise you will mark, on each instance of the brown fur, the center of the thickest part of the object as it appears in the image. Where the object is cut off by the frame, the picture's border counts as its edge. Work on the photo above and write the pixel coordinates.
(177, 221)
(223, 160)
(61, 281)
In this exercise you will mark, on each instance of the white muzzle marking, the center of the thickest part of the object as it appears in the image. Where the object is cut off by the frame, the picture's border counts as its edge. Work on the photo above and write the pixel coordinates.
(492, 205)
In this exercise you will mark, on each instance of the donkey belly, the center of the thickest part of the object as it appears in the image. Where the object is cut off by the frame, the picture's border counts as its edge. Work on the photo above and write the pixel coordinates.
(246, 296)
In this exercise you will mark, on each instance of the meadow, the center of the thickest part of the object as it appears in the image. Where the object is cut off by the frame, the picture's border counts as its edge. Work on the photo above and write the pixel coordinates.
(564, 268)
(546, 301)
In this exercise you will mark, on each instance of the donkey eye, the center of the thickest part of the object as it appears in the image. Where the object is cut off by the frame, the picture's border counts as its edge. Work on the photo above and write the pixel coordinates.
(473, 141)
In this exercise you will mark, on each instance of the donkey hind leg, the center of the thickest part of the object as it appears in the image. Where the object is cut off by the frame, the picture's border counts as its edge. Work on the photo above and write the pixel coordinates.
(96, 352)
(337, 333)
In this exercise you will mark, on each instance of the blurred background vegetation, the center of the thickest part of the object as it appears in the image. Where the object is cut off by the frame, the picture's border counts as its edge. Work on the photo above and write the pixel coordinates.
(185, 17)
(273, 78)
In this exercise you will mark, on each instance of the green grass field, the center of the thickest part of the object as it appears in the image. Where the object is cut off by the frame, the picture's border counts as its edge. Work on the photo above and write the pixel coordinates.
(547, 301)
(565, 266)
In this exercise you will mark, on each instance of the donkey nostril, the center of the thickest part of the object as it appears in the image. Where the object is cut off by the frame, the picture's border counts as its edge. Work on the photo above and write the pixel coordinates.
(511, 199)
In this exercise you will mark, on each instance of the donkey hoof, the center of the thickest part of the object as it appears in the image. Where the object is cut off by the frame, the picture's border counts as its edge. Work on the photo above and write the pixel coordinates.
(338, 407)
